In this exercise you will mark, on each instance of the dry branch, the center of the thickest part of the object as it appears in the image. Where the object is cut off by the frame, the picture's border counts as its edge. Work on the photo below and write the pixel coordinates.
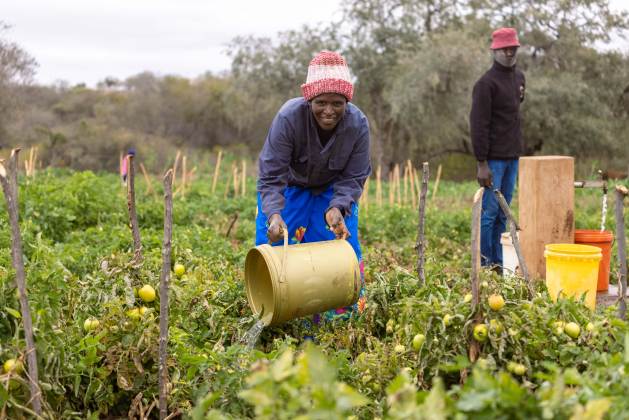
(163, 294)
(621, 241)
(8, 179)
(133, 217)
(513, 228)
(231, 225)
(421, 241)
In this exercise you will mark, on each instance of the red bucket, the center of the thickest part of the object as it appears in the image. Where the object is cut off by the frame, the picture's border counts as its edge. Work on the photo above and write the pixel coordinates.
(604, 241)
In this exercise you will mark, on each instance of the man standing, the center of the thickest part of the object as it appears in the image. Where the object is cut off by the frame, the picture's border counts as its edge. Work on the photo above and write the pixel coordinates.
(314, 164)
(496, 133)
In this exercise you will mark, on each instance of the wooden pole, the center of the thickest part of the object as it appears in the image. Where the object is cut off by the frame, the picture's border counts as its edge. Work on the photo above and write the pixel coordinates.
(411, 172)
(513, 229)
(405, 196)
(421, 240)
(147, 179)
(398, 185)
(229, 183)
(8, 179)
(391, 189)
(436, 187)
(216, 170)
(476, 212)
(163, 296)
(477, 205)
(365, 198)
(175, 167)
(34, 162)
(417, 183)
(236, 177)
(621, 241)
(120, 166)
(184, 173)
(133, 217)
(379, 186)
(243, 187)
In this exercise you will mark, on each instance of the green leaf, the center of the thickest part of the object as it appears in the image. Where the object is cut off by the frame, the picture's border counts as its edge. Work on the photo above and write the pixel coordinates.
(15, 314)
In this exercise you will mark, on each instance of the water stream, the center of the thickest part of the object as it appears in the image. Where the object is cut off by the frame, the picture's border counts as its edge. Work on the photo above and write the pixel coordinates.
(251, 337)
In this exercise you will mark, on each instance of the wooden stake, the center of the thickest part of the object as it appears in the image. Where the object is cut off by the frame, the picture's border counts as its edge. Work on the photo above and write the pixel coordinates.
(8, 179)
(365, 198)
(147, 179)
(405, 196)
(621, 241)
(417, 183)
(133, 217)
(175, 167)
(477, 205)
(411, 173)
(34, 162)
(229, 183)
(243, 188)
(121, 165)
(476, 212)
(379, 187)
(163, 296)
(398, 184)
(420, 245)
(216, 170)
(391, 189)
(184, 172)
(436, 187)
(236, 177)
(513, 229)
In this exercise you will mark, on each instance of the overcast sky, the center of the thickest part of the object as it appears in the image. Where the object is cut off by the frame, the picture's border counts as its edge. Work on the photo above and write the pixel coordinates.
(87, 40)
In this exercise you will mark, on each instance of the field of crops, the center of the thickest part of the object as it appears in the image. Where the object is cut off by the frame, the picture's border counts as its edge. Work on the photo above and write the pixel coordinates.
(405, 357)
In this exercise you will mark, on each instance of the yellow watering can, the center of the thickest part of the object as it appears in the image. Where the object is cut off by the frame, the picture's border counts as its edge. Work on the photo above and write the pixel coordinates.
(294, 281)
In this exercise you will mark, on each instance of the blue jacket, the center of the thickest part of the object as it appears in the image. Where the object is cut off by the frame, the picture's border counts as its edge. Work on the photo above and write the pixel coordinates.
(293, 156)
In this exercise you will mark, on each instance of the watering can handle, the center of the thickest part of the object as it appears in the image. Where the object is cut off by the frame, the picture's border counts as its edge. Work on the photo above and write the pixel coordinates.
(285, 251)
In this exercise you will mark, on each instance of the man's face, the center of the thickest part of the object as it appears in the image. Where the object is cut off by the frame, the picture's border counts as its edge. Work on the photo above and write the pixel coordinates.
(506, 56)
(328, 109)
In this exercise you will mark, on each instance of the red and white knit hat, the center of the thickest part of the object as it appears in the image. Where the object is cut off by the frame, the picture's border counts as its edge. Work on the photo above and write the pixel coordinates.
(328, 73)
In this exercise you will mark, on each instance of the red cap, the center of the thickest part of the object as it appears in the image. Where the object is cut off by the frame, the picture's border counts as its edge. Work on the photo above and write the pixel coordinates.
(504, 38)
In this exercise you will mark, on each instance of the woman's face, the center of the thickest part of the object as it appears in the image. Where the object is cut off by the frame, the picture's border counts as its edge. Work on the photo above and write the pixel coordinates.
(328, 109)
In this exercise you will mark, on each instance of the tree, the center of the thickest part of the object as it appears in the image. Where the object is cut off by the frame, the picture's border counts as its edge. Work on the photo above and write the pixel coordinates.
(16, 68)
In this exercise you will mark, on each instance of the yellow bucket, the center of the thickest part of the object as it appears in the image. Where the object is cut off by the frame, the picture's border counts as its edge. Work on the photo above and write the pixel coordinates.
(299, 280)
(571, 270)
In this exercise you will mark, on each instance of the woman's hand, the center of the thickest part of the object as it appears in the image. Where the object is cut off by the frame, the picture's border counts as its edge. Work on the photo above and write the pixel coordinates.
(275, 231)
(335, 221)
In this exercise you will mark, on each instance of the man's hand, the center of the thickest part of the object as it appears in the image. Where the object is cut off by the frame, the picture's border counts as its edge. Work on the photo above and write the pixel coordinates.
(275, 232)
(484, 175)
(335, 221)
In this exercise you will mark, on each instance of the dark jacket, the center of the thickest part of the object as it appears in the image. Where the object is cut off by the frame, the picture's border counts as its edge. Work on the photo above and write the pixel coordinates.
(292, 155)
(495, 123)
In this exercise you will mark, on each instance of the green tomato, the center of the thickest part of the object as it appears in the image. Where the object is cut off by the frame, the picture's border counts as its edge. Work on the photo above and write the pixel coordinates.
(480, 332)
(572, 329)
(418, 341)
(13, 366)
(179, 269)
